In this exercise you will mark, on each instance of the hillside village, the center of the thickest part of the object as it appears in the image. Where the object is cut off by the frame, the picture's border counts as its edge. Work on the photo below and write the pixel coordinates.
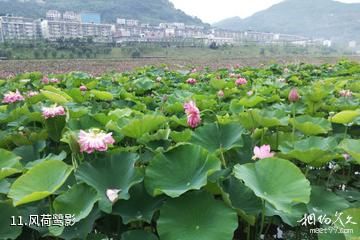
(88, 26)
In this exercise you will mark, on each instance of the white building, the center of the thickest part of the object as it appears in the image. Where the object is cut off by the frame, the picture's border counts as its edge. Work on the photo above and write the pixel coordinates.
(71, 16)
(53, 30)
(327, 43)
(127, 22)
(53, 15)
(17, 28)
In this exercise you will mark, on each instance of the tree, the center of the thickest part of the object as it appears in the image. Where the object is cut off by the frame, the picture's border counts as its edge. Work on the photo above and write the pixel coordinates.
(46, 53)
(36, 53)
(213, 46)
(54, 53)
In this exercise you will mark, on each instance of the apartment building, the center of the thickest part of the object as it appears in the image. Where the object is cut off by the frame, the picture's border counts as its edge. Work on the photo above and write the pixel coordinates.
(98, 32)
(53, 30)
(53, 15)
(17, 28)
(71, 16)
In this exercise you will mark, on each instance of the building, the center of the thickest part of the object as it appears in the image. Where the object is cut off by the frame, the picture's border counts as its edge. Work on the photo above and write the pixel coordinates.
(98, 32)
(53, 15)
(127, 22)
(17, 28)
(71, 16)
(327, 43)
(54, 30)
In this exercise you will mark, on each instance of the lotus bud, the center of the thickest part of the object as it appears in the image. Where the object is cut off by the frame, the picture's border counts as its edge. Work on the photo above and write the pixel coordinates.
(220, 93)
(294, 95)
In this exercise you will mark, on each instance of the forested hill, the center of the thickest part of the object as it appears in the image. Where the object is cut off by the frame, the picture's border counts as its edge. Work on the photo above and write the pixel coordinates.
(153, 11)
(314, 18)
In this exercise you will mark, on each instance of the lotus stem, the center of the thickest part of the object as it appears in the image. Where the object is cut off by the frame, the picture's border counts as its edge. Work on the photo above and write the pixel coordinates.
(293, 125)
(262, 217)
(223, 161)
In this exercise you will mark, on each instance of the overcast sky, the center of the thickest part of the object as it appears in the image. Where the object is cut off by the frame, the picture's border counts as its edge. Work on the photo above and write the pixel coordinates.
(212, 11)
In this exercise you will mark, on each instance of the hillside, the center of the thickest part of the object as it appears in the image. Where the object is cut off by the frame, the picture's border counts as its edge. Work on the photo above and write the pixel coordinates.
(314, 18)
(153, 11)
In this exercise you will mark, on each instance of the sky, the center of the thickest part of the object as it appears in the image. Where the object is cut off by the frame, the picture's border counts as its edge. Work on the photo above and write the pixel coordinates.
(211, 11)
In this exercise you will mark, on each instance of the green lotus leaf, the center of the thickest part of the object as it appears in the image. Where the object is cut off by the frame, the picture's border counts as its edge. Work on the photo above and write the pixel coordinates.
(9, 164)
(345, 117)
(58, 91)
(140, 207)
(292, 217)
(183, 136)
(270, 118)
(179, 170)
(242, 199)
(120, 113)
(311, 125)
(115, 171)
(138, 235)
(218, 84)
(54, 97)
(196, 215)
(215, 136)
(330, 235)
(315, 151)
(277, 181)
(143, 84)
(8, 212)
(78, 200)
(353, 216)
(235, 107)
(81, 229)
(251, 101)
(102, 95)
(352, 147)
(55, 126)
(4, 186)
(138, 127)
(39, 182)
(247, 120)
(325, 202)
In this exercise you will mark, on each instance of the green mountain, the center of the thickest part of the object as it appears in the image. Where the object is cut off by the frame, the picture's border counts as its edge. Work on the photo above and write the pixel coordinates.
(153, 11)
(313, 18)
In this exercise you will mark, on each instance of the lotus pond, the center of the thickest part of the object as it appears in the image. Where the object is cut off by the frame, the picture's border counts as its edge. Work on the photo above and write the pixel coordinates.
(238, 153)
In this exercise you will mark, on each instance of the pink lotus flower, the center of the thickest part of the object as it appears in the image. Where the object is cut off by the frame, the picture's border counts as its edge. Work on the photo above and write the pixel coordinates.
(241, 81)
(45, 80)
(54, 80)
(32, 93)
(193, 114)
(262, 152)
(83, 88)
(345, 93)
(12, 97)
(194, 70)
(95, 140)
(232, 75)
(191, 81)
(51, 112)
(220, 94)
(113, 194)
(294, 95)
